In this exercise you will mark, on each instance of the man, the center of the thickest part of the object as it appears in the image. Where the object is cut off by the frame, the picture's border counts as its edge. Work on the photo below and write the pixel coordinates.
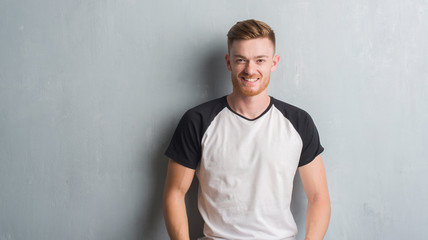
(245, 149)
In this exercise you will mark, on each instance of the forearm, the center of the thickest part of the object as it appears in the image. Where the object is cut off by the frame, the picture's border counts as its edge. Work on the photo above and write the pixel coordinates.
(174, 208)
(317, 218)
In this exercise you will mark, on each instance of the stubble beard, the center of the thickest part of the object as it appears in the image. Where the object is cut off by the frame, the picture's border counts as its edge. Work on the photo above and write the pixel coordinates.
(249, 92)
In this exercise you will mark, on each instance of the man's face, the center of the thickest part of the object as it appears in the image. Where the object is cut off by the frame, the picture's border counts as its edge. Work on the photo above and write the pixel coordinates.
(250, 63)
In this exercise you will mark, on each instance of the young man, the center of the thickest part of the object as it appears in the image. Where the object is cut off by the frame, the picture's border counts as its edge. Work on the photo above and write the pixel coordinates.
(245, 149)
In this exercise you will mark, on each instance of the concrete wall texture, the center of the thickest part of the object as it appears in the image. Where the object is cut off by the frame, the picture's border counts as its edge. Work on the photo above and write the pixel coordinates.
(91, 92)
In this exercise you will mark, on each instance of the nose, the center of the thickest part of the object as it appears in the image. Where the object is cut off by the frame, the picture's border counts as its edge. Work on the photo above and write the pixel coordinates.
(250, 68)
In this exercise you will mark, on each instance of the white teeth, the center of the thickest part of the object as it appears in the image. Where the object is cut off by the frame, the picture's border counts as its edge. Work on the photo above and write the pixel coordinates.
(251, 80)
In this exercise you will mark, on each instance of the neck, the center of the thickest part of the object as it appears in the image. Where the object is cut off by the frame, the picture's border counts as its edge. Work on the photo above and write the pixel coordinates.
(249, 107)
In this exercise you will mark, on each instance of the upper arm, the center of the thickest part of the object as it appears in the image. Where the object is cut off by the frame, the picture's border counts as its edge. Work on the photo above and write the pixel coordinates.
(314, 179)
(178, 178)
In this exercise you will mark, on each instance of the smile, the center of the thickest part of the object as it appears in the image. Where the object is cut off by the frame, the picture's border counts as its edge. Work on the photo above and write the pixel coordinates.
(249, 79)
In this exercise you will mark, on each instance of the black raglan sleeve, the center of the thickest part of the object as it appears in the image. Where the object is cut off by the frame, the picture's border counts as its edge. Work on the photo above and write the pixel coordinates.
(185, 146)
(311, 141)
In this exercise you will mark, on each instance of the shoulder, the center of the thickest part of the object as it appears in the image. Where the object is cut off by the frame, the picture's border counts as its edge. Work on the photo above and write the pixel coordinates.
(299, 118)
(289, 111)
(206, 110)
(185, 145)
(305, 126)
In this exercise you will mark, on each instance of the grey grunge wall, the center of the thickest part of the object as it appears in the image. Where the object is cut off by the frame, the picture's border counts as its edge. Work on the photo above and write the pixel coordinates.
(91, 92)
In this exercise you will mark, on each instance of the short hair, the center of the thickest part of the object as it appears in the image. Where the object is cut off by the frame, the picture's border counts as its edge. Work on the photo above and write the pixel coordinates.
(249, 29)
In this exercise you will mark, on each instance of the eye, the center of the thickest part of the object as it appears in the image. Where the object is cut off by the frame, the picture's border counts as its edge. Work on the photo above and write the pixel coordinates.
(240, 60)
(261, 60)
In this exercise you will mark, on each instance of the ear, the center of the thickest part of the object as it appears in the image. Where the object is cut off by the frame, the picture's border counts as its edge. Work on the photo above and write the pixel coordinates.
(275, 62)
(227, 58)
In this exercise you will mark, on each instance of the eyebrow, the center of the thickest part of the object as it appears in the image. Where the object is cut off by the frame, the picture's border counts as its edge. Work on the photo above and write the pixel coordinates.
(240, 56)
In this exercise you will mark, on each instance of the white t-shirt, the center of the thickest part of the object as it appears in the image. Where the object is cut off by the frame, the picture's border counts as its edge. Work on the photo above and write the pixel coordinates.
(245, 167)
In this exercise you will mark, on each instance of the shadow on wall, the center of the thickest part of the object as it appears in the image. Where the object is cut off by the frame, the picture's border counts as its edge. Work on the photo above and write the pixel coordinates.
(212, 78)
(213, 74)
(196, 223)
(148, 227)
